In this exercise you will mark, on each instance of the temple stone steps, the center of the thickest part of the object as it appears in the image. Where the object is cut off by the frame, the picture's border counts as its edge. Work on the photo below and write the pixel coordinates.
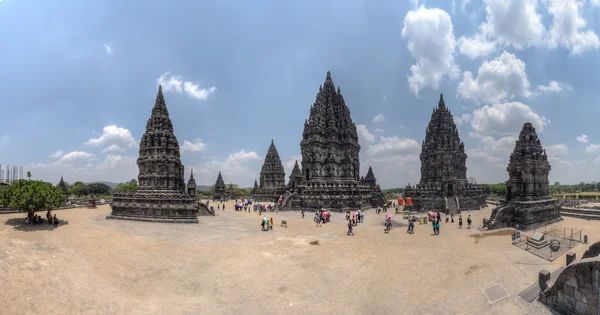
(589, 214)
(150, 219)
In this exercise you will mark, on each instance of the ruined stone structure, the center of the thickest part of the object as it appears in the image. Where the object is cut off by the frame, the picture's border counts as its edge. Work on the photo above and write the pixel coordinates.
(272, 178)
(369, 180)
(330, 163)
(444, 185)
(295, 178)
(161, 196)
(191, 185)
(528, 201)
(220, 189)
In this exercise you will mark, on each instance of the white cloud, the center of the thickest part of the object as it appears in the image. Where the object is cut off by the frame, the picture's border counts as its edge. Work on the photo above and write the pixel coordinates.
(379, 130)
(591, 148)
(113, 135)
(582, 138)
(430, 37)
(239, 168)
(4, 140)
(506, 119)
(513, 23)
(463, 4)
(402, 126)
(193, 90)
(462, 119)
(108, 48)
(56, 154)
(595, 2)
(113, 148)
(497, 80)
(556, 149)
(378, 118)
(196, 146)
(568, 27)
(553, 87)
(393, 145)
(112, 162)
(76, 156)
(364, 134)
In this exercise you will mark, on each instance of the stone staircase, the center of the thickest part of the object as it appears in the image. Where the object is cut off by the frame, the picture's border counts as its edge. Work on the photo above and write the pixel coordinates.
(452, 204)
(287, 202)
(589, 214)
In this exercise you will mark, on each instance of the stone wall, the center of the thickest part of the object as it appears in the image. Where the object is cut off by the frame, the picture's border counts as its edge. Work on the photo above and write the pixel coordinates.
(593, 251)
(576, 290)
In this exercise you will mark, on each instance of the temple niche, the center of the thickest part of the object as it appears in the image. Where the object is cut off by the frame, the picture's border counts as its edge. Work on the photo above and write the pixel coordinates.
(444, 185)
(330, 164)
(220, 189)
(162, 195)
(272, 178)
(528, 201)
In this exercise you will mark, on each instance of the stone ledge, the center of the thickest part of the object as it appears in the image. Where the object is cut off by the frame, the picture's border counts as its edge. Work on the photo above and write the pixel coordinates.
(150, 219)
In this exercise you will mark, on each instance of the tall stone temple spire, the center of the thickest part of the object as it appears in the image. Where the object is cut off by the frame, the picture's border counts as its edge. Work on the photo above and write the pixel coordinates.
(63, 188)
(369, 180)
(444, 185)
(528, 200)
(220, 189)
(191, 184)
(162, 194)
(272, 177)
(329, 143)
(330, 172)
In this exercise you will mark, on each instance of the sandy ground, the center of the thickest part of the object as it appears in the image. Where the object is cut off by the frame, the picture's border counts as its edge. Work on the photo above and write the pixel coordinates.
(227, 265)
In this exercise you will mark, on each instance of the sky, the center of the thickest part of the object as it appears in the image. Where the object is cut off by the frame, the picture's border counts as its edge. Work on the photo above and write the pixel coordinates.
(79, 80)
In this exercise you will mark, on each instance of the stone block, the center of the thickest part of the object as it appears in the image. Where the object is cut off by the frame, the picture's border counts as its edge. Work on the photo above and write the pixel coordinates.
(538, 237)
(581, 307)
(569, 291)
(543, 278)
(542, 298)
(592, 300)
(571, 257)
(592, 309)
(578, 295)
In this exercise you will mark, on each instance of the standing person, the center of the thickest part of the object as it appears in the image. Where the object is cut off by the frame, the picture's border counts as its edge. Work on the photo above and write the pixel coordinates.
(469, 222)
(271, 223)
(433, 226)
(350, 229)
(302, 213)
(460, 221)
(317, 219)
(437, 226)
(452, 217)
(362, 216)
(439, 217)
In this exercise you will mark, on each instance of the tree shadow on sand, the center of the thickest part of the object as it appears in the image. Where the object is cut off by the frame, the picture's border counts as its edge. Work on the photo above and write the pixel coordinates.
(20, 225)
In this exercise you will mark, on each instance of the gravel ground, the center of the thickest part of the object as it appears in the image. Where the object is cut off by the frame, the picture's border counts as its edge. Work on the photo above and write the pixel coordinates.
(227, 265)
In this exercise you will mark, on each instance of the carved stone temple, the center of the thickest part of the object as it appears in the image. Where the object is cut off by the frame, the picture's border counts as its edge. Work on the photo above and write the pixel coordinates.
(220, 189)
(162, 194)
(272, 177)
(444, 185)
(329, 177)
(528, 201)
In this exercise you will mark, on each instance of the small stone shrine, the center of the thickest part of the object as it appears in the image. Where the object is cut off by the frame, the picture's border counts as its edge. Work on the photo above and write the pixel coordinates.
(528, 201)
(272, 178)
(330, 164)
(162, 195)
(537, 241)
(444, 185)
(295, 178)
(220, 189)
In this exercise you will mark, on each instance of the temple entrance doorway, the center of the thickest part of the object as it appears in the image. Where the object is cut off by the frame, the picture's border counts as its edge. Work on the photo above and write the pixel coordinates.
(307, 174)
(450, 190)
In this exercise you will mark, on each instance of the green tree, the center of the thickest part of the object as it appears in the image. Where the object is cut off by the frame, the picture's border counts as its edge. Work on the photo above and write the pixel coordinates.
(98, 189)
(28, 175)
(79, 189)
(30, 196)
(131, 186)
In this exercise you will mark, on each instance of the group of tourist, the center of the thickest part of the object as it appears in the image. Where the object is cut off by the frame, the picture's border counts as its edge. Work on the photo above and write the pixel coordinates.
(267, 224)
(353, 219)
(321, 216)
(35, 219)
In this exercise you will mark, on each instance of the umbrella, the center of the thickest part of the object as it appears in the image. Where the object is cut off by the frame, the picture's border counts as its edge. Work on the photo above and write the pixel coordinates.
(388, 216)
(265, 219)
(354, 213)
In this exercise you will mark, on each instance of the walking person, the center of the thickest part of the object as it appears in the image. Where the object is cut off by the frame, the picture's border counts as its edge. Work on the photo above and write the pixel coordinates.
(317, 219)
(433, 226)
(302, 214)
(469, 222)
(437, 226)
(452, 217)
(460, 221)
(350, 232)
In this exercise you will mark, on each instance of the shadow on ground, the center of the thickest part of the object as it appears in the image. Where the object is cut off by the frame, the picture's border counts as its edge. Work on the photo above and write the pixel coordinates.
(20, 225)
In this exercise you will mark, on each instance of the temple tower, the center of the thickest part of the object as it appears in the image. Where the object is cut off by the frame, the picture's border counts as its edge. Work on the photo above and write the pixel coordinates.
(295, 177)
(63, 188)
(528, 201)
(329, 143)
(162, 195)
(443, 185)
(191, 185)
(369, 180)
(272, 175)
(220, 188)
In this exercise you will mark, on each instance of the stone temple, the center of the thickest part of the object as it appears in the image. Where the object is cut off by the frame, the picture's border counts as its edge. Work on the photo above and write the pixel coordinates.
(162, 194)
(444, 185)
(528, 201)
(272, 177)
(220, 189)
(329, 176)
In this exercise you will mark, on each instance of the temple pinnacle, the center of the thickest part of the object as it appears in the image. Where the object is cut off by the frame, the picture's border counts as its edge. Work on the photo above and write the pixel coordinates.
(328, 75)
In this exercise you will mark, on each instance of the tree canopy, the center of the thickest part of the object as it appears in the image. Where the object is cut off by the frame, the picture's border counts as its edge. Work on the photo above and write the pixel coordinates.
(29, 195)
(130, 186)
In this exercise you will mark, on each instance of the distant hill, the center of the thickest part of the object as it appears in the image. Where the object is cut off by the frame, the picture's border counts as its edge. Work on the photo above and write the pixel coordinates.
(202, 187)
(111, 184)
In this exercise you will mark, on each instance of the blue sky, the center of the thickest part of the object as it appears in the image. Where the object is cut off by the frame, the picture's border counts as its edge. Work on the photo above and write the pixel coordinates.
(79, 80)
